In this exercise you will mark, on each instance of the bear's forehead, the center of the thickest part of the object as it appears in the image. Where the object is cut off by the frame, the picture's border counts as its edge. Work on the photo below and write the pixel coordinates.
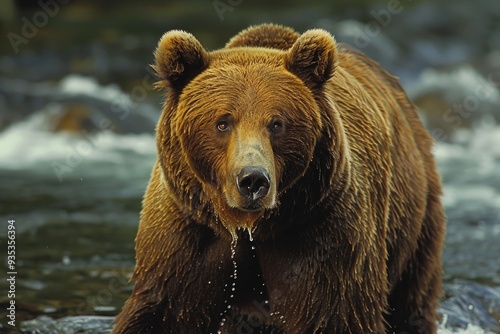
(247, 67)
(243, 79)
(244, 76)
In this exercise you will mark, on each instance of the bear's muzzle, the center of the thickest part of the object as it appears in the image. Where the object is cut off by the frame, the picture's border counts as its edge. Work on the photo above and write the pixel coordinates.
(253, 183)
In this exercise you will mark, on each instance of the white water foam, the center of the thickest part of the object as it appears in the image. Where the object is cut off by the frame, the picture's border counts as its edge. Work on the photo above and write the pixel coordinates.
(26, 143)
(469, 161)
(77, 85)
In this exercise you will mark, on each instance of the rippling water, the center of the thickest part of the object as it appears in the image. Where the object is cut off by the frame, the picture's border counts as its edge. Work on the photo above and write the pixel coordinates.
(76, 225)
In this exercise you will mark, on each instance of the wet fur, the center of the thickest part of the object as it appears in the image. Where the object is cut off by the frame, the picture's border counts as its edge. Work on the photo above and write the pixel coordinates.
(353, 245)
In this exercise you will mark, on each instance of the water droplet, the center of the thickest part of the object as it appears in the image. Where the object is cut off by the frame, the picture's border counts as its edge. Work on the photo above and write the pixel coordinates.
(253, 248)
(250, 236)
(234, 237)
(233, 276)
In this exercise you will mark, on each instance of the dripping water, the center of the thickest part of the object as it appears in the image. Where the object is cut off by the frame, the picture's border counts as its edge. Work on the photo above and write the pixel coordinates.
(234, 276)
(250, 236)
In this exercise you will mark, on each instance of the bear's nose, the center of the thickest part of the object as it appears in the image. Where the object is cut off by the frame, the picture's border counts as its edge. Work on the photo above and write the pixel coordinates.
(253, 182)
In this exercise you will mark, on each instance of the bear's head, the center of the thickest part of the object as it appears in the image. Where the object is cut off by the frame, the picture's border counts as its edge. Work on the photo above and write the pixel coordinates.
(245, 119)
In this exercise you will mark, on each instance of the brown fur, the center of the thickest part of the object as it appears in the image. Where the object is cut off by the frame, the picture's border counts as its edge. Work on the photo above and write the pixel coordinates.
(347, 239)
(265, 35)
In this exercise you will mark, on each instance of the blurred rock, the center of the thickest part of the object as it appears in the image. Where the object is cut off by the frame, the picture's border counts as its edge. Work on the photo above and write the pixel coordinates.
(460, 98)
(433, 106)
(463, 298)
(75, 118)
(83, 104)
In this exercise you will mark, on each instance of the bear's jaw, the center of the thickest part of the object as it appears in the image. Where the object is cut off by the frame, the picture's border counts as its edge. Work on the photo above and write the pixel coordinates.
(233, 218)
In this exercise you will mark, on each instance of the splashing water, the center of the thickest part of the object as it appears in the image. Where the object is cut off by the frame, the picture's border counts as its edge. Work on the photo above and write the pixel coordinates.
(235, 265)
(234, 276)
(470, 329)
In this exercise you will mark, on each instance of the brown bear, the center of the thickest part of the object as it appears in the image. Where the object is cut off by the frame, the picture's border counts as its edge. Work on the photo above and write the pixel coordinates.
(294, 192)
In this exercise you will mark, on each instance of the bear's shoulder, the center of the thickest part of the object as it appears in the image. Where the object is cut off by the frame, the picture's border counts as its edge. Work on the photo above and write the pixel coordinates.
(266, 35)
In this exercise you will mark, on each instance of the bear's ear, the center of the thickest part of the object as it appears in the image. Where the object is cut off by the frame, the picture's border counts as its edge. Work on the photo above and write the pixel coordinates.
(179, 58)
(312, 57)
(265, 35)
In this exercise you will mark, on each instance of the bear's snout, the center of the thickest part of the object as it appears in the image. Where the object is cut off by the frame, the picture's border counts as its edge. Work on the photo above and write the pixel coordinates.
(253, 184)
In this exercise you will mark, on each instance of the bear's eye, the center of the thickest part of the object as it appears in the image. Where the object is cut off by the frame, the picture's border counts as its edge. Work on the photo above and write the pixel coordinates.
(223, 126)
(276, 126)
